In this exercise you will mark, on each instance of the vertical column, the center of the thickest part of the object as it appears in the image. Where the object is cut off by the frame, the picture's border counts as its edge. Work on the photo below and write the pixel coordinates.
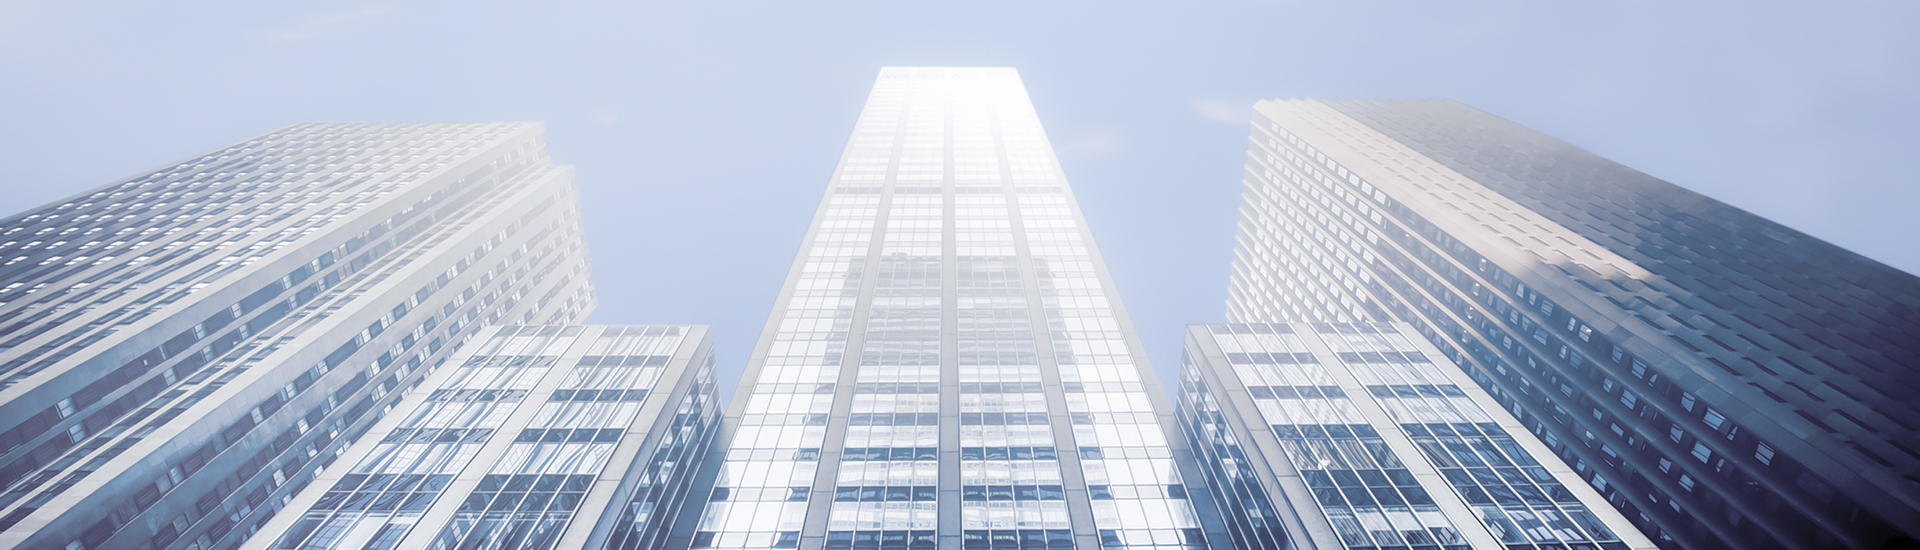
(949, 390)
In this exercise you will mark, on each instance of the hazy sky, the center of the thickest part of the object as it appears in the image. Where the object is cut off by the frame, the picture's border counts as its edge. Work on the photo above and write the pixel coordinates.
(704, 132)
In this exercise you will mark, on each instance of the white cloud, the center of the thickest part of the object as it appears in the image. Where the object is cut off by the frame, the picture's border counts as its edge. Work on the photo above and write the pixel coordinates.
(316, 26)
(604, 117)
(1221, 110)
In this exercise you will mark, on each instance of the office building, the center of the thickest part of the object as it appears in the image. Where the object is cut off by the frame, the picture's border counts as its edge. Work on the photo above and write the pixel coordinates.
(1725, 381)
(184, 349)
(1359, 435)
(948, 364)
(539, 437)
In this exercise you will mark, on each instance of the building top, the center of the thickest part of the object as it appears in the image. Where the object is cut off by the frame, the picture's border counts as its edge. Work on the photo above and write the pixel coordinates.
(576, 432)
(1711, 318)
(1362, 435)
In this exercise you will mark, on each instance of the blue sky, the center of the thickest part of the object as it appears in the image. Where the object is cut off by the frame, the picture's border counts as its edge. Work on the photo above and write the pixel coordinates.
(704, 132)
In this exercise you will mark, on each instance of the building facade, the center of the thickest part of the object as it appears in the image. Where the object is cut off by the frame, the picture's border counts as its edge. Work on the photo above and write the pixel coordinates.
(1725, 381)
(948, 364)
(1360, 436)
(186, 348)
(540, 437)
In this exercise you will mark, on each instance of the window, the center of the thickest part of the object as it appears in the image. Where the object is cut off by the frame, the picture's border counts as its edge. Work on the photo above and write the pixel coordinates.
(64, 407)
(1701, 452)
(1666, 465)
(1764, 454)
(1715, 419)
(1686, 401)
(1686, 483)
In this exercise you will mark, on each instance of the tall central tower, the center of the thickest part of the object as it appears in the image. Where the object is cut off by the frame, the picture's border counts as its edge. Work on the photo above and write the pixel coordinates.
(948, 364)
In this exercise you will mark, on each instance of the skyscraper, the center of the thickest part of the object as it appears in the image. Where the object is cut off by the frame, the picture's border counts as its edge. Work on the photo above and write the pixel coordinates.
(948, 364)
(540, 437)
(1355, 435)
(1725, 381)
(186, 348)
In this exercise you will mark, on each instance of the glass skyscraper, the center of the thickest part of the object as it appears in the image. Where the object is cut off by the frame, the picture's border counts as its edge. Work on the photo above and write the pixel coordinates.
(948, 364)
(183, 350)
(1359, 436)
(1725, 381)
(540, 437)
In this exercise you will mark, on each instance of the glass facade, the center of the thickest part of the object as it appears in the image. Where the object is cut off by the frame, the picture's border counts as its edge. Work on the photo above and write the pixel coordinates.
(186, 348)
(1725, 381)
(1355, 436)
(537, 427)
(948, 365)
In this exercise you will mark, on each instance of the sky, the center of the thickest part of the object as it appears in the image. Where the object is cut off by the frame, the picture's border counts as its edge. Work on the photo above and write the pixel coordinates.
(704, 132)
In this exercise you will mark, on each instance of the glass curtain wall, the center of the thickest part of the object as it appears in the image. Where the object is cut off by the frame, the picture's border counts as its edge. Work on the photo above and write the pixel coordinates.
(537, 427)
(948, 364)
